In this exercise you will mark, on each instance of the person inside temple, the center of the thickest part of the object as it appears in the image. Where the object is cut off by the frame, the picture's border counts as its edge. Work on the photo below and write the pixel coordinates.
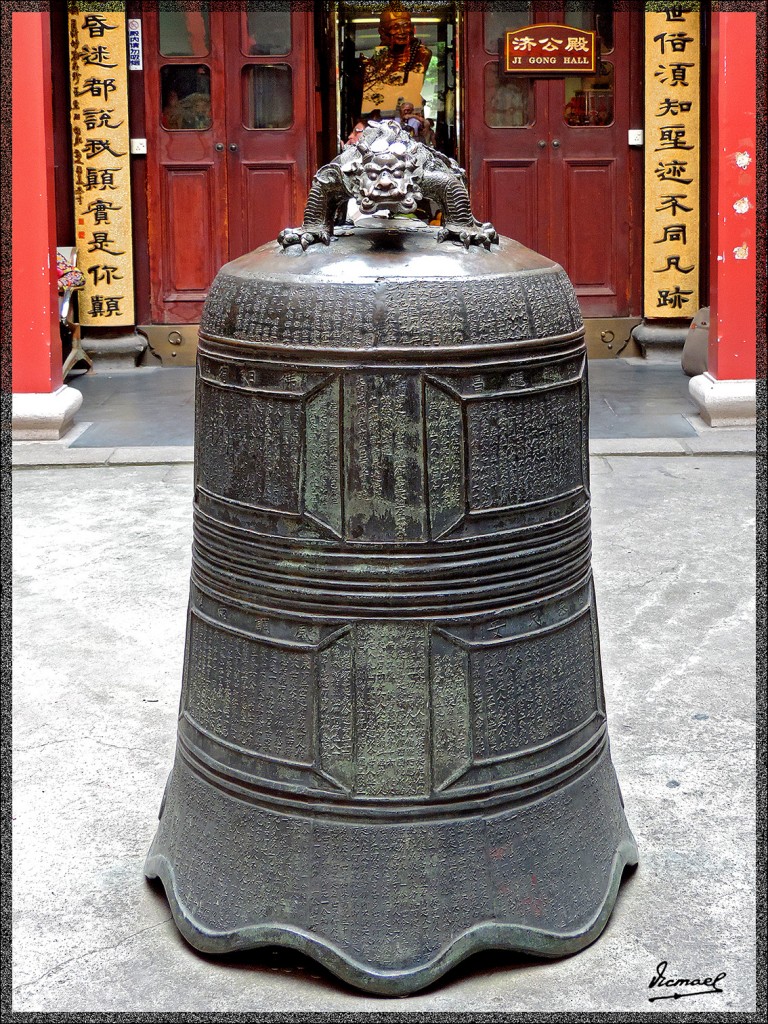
(395, 73)
(410, 121)
(358, 129)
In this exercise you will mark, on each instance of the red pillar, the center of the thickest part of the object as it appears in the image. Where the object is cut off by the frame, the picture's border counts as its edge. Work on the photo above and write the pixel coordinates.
(36, 344)
(732, 346)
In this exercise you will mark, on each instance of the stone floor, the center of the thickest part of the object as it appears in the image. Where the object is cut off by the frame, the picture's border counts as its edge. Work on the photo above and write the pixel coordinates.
(145, 407)
(101, 562)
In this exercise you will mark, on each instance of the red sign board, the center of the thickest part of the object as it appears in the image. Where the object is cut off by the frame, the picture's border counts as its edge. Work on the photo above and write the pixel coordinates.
(549, 50)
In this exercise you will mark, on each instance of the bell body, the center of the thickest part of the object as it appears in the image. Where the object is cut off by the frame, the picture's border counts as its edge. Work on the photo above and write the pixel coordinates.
(392, 747)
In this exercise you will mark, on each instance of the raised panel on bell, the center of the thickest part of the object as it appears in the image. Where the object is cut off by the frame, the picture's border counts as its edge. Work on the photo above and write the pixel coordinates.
(255, 693)
(392, 709)
(336, 716)
(280, 705)
(515, 697)
(531, 689)
(451, 720)
(322, 477)
(522, 448)
(384, 482)
(515, 694)
(445, 457)
(251, 448)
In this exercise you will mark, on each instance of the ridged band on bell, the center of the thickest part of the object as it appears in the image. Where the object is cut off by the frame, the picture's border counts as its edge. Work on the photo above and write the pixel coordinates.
(392, 745)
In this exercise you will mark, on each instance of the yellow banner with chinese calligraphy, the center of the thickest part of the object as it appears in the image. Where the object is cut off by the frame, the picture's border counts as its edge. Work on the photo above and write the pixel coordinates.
(101, 162)
(672, 161)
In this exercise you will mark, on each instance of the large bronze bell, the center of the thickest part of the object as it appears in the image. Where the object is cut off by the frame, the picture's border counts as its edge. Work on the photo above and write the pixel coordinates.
(392, 746)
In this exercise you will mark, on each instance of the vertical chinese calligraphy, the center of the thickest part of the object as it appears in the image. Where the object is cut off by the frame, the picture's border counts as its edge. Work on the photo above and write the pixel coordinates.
(672, 155)
(101, 164)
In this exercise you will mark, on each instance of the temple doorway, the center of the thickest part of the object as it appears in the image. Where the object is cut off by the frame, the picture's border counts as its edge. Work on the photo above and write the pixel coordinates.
(399, 57)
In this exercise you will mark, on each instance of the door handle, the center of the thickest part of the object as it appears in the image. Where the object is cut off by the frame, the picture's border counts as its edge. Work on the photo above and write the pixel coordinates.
(233, 147)
(556, 143)
(542, 143)
(219, 146)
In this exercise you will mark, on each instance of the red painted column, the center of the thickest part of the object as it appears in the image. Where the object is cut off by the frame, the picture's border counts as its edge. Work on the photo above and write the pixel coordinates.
(732, 346)
(36, 344)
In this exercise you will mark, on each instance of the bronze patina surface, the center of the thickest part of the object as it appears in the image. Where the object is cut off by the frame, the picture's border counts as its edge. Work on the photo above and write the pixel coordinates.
(392, 747)
(385, 170)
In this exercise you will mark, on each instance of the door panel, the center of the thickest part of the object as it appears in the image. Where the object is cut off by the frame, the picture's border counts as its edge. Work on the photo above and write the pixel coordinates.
(190, 264)
(261, 223)
(511, 188)
(589, 186)
(186, 176)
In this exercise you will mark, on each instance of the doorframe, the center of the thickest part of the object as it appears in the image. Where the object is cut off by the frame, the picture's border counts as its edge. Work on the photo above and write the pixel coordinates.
(329, 11)
(635, 162)
(327, 81)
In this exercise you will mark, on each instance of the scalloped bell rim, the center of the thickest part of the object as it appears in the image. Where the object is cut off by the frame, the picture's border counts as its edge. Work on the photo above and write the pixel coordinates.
(485, 936)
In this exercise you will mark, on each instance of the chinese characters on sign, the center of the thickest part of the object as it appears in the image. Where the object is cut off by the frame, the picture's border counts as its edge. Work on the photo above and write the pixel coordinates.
(135, 62)
(549, 49)
(101, 164)
(672, 127)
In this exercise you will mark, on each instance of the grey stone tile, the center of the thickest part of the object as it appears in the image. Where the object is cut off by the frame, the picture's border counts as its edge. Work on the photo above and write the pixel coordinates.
(164, 430)
(722, 440)
(143, 407)
(43, 453)
(669, 425)
(636, 446)
(651, 405)
(158, 453)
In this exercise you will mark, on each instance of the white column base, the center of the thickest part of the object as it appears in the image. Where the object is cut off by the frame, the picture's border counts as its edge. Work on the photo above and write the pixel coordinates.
(44, 417)
(723, 403)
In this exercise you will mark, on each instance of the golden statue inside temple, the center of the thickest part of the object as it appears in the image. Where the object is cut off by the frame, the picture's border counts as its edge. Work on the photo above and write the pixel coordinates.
(395, 73)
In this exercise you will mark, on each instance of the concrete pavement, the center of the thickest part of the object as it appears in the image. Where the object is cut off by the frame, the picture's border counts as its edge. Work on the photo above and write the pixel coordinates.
(101, 564)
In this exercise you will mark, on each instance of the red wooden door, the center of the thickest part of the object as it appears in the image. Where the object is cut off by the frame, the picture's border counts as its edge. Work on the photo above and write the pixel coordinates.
(270, 122)
(185, 102)
(229, 100)
(548, 158)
